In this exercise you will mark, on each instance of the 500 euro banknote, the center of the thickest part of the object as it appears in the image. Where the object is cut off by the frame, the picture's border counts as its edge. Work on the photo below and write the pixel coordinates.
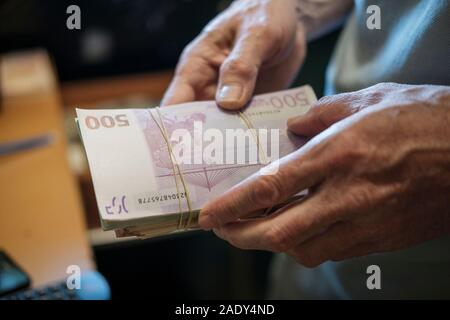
(154, 169)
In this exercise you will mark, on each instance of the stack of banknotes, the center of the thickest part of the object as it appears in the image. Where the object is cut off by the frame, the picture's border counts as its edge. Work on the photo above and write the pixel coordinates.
(154, 168)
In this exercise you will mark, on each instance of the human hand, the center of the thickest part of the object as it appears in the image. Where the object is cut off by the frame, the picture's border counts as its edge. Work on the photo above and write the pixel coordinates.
(379, 171)
(253, 46)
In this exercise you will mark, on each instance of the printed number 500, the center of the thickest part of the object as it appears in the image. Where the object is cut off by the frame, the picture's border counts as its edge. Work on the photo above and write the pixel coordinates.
(107, 121)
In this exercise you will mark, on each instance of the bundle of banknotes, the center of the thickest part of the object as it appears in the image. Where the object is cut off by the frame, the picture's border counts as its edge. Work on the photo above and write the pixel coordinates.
(154, 168)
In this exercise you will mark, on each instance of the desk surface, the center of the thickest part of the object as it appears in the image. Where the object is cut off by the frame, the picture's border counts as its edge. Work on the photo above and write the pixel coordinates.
(88, 93)
(42, 224)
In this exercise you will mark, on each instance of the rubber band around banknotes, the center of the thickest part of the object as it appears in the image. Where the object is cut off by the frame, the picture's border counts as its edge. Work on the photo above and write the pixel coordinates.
(252, 130)
(166, 138)
(261, 152)
(165, 135)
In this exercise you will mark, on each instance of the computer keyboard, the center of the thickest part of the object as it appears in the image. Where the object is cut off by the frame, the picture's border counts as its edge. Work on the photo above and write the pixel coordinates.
(54, 292)
(93, 287)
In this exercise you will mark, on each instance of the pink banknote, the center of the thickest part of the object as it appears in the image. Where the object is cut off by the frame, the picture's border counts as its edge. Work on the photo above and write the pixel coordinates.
(153, 162)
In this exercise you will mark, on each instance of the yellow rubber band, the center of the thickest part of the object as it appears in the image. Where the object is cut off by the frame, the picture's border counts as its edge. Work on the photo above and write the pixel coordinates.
(252, 129)
(262, 155)
(165, 135)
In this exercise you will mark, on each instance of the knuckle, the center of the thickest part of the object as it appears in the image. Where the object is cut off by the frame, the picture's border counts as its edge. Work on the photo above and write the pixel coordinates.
(324, 101)
(318, 115)
(265, 31)
(374, 97)
(240, 68)
(267, 191)
(380, 91)
(350, 149)
(360, 198)
(322, 117)
(335, 99)
(331, 109)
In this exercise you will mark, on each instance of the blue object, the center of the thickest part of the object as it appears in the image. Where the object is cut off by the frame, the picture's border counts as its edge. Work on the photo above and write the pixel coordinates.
(93, 287)
(25, 144)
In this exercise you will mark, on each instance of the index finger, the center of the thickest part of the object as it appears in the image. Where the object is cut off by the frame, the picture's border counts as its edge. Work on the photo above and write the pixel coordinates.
(297, 172)
(196, 73)
(194, 79)
(179, 91)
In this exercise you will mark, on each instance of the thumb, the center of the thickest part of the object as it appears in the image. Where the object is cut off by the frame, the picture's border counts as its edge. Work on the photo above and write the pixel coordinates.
(239, 71)
(323, 114)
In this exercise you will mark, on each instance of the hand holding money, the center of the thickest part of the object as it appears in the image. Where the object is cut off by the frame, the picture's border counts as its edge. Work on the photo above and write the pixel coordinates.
(154, 169)
(250, 47)
(378, 168)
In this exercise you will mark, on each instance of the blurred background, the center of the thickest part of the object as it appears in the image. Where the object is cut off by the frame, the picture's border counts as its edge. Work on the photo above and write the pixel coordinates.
(123, 56)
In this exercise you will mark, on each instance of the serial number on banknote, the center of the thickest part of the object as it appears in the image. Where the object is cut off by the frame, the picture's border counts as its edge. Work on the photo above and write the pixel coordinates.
(161, 198)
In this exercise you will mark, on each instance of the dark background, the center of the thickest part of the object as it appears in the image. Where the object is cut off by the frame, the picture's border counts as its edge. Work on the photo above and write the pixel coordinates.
(138, 36)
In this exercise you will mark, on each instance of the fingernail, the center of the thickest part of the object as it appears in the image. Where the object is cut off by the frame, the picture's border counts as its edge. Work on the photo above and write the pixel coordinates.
(230, 93)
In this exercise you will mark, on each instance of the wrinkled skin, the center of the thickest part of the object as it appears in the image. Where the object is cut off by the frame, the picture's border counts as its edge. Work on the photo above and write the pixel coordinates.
(378, 171)
(377, 166)
(253, 46)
